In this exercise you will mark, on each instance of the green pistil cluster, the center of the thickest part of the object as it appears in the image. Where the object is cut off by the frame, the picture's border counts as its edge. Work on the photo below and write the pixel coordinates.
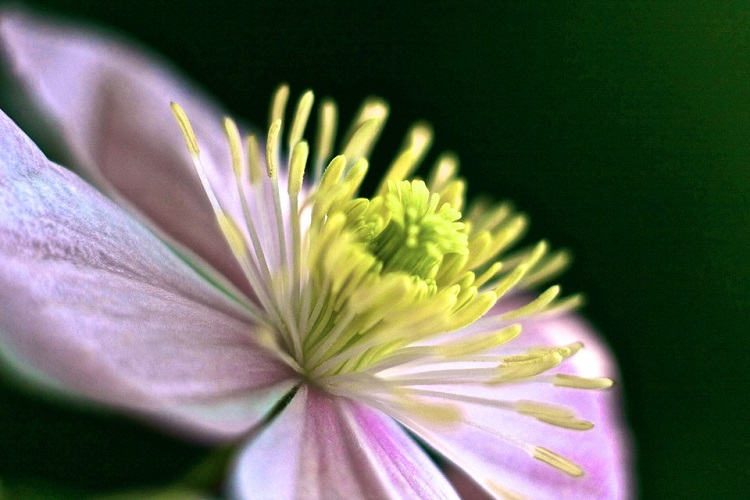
(420, 231)
(390, 270)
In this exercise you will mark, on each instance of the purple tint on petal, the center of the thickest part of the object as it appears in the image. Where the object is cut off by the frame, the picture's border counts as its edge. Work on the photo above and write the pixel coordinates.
(109, 102)
(485, 450)
(411, 471)
(324, 446)
(94, 301)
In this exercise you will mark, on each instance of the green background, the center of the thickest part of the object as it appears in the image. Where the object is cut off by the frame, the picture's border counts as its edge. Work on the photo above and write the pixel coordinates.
(621, 128)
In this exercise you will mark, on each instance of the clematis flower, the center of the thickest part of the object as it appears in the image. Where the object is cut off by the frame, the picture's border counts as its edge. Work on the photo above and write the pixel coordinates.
(238, 289)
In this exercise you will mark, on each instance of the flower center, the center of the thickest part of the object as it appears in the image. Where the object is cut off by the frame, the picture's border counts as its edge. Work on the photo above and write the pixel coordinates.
(389, 270)
(384, 299)
(417, 234)
(349, 285)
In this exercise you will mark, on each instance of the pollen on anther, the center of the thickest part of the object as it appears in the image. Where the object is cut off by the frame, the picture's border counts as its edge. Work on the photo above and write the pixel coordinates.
(577, 382)
(187, 129)
(557, 461)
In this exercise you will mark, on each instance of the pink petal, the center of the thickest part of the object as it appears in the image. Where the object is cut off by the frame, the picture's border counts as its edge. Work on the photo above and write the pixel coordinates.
(324, 446)
(94, 302)
(109, 102)
(484, 453)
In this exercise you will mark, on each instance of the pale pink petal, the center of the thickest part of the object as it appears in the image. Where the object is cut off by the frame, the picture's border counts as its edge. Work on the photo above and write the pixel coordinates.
(109, 103)
(93, 301)
(326, 447)
(486, 445)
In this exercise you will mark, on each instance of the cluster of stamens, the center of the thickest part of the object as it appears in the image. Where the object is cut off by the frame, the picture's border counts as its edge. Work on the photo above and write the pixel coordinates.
(379, 298)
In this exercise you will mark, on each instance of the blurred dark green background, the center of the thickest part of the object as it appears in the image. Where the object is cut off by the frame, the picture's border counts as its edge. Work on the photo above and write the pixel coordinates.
(622, 128)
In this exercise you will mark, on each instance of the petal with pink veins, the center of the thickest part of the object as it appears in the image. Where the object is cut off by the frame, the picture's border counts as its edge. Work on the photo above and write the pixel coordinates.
(93, 302)
(324, 446)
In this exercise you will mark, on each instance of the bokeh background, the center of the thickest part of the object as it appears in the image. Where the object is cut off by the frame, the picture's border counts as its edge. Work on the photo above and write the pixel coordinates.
(623, 130)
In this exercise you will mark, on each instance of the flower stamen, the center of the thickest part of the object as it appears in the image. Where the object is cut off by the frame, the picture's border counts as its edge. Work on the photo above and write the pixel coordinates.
(557, 461)
(382, 298)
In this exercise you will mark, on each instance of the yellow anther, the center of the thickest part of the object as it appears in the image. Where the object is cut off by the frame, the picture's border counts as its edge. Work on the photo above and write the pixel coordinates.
(489, 274)
(444, 171)
(451, 267)
(478, 245)
(536, 409)
(187, 129)
(527, 365)
(372, 108)
(489, 218)
(557, 461)
(232, 233)
(535, 306)
(389, 288)
(413, 317)
(416, 145)
(278, 104)
(570, 349)
(509, 233)
(354, 177)
(466, 294)
(235, 146)
(518, 273)
(577, 382)
(362, 140)
(454, 193)
(272, 147)
(574, 424)
(254, 160)
(332, 173)
(477, 344)
(550, 267)
(566, 304)
(498, 241)
(472, 311)
(297, 167)
(300, 118)
(559, 416)
(327, 119)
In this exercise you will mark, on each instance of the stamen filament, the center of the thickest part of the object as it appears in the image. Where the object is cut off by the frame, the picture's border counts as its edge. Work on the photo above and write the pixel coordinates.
(309, 334)
(272, 147)
(225, 222)
(535, 306)
(331, 337)
(296, 173)
(255, 249)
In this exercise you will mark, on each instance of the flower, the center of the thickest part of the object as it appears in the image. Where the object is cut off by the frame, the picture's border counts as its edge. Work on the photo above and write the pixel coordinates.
(221, 290)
